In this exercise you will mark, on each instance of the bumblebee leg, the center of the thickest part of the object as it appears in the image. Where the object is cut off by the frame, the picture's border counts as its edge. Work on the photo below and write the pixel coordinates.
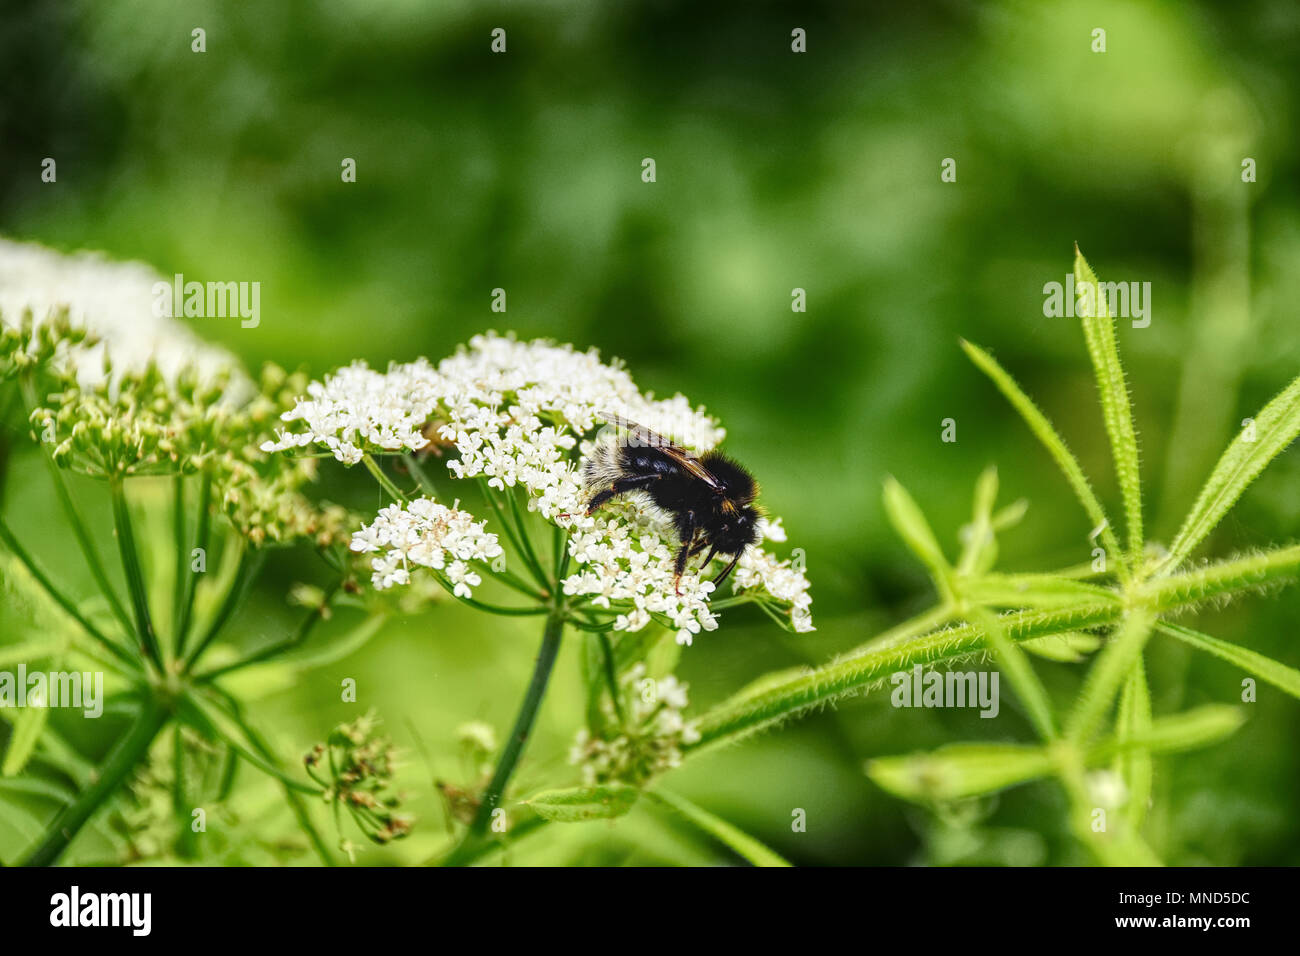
(684, 552)
(620, 487)
(727, 570)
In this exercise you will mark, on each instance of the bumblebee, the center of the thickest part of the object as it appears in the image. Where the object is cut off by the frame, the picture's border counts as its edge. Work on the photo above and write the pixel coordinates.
(709, 497)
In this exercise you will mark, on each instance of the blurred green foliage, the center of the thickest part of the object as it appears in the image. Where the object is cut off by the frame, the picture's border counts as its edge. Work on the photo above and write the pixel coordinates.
(774, 171)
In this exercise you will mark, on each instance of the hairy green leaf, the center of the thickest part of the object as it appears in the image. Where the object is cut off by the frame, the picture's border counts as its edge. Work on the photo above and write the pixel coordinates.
(27, 731)
(1193, 728)
(959, 770)
(1133, 722)
(909, 521)
(577, 804)
(1033, 590)
(1069, 648)
(1108, 673)
(757, 853)
(1099, 332)
(1015, 663)
(1275, 427)
(1265, 668)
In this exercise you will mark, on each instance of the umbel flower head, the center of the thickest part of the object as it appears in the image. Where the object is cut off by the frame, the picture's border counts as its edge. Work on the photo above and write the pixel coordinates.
(112, 303)
(523, 415)
(114, 390)
(643, 733)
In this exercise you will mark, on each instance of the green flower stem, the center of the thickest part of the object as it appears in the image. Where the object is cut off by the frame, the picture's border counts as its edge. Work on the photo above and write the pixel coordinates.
(250, 564)
(725, 833)
(186, 839)
(130, 751)
(465, 855)
(511, 580)
(191, 579)
(41, 578)
(523, 727)
(300, 635)
(421, 477)
(292, 795)
(611, 677)
(134, 574)
(84, 542)
(484, 606)
(529, 553)
(180, 553)
(1225, 577)
(384, 481)
(507, 526)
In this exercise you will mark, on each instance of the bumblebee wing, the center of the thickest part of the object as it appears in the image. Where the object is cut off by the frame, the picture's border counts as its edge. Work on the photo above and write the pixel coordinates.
(652, 439)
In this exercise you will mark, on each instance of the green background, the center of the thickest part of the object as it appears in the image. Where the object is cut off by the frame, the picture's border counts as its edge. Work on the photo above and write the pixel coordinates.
(775, 170)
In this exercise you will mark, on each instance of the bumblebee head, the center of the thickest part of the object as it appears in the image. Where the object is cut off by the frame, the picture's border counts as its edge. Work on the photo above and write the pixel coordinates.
(737, 529)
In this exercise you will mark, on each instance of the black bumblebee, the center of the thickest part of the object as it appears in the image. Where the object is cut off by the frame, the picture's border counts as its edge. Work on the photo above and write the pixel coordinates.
(709, 497)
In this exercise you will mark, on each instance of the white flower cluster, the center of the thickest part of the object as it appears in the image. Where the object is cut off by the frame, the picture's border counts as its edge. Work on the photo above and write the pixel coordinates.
(514, 412)
(357, 408)
(784, 580)
(430, 535)
(650, 738)
(112, 300)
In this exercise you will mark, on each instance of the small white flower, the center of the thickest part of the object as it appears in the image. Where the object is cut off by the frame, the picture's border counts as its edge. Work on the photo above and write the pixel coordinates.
(427, 534)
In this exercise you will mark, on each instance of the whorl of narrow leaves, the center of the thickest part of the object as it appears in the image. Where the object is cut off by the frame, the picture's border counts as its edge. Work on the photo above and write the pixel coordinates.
(1099, 331)
(1276, 426)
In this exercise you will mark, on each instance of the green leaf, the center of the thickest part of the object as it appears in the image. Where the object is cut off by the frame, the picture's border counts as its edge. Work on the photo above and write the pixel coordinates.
(736, 839)
(1193, 728)
(1033, 590)
(1276, 426)
(578, 804)
(1052, 441)
(959, 770)
(1099, 331)
(1015, 663)
(29, 651)
(1133, 723)
(980, 549)
(1265, 668)
(27, 731)
(1067, 648)
(909, 521)
(1108, 672)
